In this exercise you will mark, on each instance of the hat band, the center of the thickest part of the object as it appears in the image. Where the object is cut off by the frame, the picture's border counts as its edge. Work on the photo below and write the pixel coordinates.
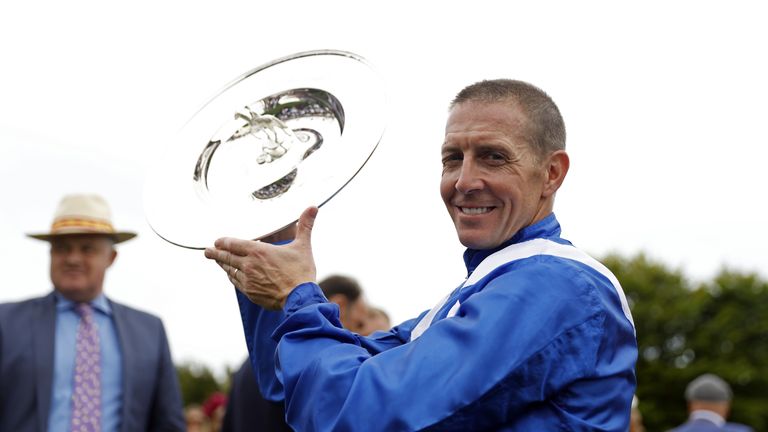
(65, 224)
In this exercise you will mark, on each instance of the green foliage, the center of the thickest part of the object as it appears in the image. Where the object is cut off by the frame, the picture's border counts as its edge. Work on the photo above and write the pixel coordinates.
(197, 382)
(685, 330)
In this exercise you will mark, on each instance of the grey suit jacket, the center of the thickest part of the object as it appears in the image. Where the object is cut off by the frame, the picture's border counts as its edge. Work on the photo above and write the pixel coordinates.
(151, 396)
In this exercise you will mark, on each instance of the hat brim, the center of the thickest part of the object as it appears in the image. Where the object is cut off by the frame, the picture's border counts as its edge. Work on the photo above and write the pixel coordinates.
(118, 237)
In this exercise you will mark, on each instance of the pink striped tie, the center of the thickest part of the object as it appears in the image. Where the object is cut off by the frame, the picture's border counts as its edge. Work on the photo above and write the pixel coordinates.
(86, 391)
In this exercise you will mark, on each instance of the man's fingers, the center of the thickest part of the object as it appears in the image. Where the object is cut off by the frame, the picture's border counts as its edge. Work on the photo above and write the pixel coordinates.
(236, 246)
(226, 267)
(305, 224)
(222, 257)
(232, 273)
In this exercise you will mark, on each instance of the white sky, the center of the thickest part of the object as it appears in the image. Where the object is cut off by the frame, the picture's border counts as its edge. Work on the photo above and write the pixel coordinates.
(664, 102)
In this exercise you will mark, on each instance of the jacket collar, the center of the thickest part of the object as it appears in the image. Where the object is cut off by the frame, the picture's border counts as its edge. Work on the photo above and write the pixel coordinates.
(100, 303)
(546, 228)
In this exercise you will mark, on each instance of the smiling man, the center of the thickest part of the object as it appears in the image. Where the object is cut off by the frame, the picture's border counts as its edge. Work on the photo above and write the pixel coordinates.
(494, 182)
(74, 360)
(537, 338)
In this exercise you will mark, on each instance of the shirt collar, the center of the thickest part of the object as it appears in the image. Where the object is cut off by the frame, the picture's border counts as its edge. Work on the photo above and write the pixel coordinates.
(546, 228)
(709, 416)
(100, 303)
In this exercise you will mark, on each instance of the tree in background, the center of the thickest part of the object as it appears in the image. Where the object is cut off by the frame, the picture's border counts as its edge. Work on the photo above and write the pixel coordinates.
(733, 336)
(197, 382)
(684, 330)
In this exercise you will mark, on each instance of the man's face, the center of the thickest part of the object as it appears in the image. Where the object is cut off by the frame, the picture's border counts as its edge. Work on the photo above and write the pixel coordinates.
(78, 265)
(375, 321)
(492, 183)
(352, 314)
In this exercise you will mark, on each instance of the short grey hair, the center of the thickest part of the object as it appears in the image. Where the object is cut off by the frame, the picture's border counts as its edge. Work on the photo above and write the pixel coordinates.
(545, 127)
(709, 388)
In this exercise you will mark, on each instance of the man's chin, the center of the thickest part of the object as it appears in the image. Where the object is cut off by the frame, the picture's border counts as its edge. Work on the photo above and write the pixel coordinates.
(475, 242)
(77, 293)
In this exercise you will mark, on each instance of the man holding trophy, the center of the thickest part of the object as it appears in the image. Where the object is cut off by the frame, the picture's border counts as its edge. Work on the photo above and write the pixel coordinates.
(539, 336)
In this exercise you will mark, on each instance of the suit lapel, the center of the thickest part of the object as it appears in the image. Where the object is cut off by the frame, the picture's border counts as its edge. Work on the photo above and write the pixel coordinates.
(43, 334)
(124, 338)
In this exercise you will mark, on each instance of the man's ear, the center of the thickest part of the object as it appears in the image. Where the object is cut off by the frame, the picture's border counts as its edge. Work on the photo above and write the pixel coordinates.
(113, 257)
(556, 166)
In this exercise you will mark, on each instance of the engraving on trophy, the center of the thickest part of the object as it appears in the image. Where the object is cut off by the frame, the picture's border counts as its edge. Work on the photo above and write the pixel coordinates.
(277, 188)
(260, 138)
(273, 133)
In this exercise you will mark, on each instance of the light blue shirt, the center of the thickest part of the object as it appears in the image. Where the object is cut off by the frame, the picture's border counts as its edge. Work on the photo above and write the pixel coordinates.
(67, 322)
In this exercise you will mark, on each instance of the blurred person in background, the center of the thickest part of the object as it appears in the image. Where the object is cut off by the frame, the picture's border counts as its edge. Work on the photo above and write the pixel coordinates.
(636, 417)
(376, 320)
(76, 359)
(346, 292)
(709, 404)
(214, 408)
(196, 419)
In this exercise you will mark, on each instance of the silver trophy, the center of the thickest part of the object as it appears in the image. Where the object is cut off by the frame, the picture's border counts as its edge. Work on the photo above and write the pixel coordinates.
(281, 137)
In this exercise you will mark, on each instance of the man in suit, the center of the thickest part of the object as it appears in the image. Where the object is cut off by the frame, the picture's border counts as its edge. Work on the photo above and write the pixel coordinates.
(709, 403)
(75, 360)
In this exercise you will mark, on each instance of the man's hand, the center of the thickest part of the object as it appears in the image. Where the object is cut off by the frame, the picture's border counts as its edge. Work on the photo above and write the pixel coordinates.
(266, 273)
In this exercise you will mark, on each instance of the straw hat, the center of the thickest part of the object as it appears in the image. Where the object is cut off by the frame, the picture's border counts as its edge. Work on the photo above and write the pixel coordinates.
(83, 214)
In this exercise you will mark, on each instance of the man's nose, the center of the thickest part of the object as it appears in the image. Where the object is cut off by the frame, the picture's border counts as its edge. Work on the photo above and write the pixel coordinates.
(73, 256)
(469, 179)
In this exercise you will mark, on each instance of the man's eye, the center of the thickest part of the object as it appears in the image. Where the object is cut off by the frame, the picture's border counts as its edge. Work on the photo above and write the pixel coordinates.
(495, 158)
(90, 250)
(451, 158)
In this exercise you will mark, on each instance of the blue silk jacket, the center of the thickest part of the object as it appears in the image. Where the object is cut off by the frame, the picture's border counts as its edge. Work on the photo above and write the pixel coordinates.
(538, 338)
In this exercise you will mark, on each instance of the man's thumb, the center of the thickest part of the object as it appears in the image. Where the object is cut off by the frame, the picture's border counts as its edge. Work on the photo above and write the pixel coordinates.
(305, 224)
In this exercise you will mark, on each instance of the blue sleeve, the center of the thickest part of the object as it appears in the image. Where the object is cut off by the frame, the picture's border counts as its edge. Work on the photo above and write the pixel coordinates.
(505, 351)
(259, 325)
